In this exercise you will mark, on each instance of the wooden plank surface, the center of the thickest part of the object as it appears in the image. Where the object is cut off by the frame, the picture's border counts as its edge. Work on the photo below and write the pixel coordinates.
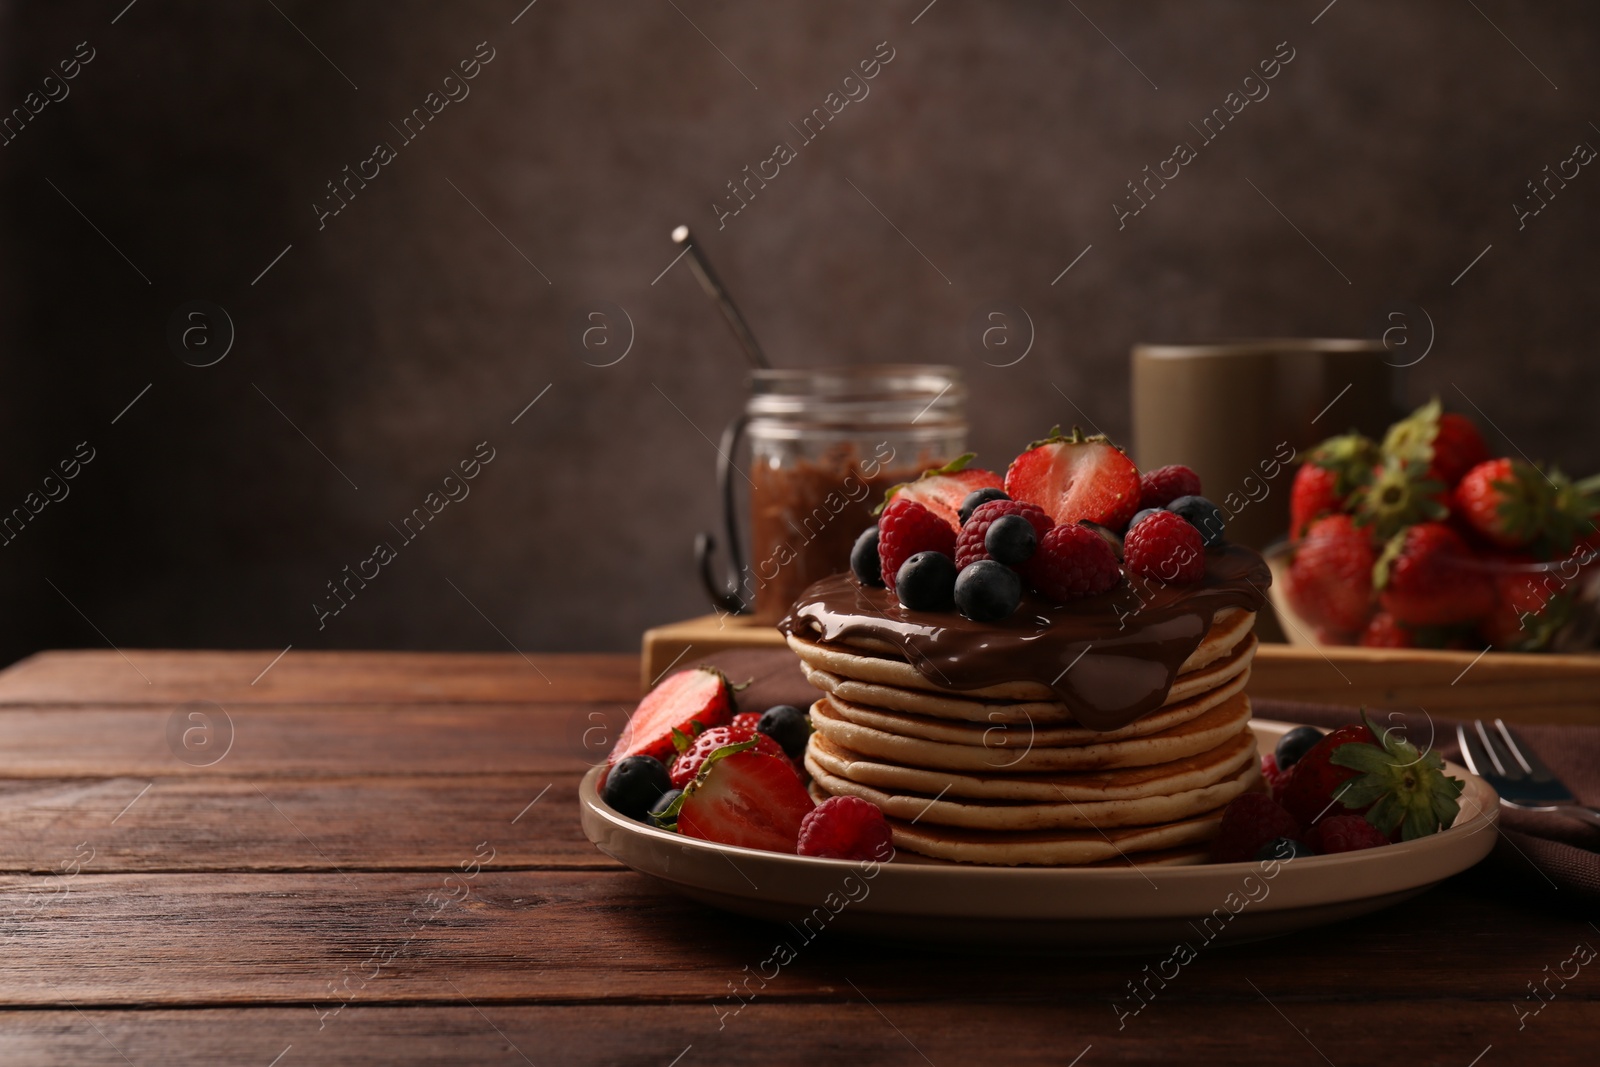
(386, 866)
(101, 825)
(101, 740)
(843, 1030)
(530, 936)
(153, 676)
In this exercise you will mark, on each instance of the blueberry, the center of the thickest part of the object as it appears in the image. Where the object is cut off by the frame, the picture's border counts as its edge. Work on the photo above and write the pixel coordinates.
(864, 558)
(1295, 744)
(1108, 535)
(977, 498)
(1283, 848)
(635, 784)
(988, 590)
(927, 582)
(787, 725)
(1141, 515)
(1010, 540)
(1203, 515)
(661, 806)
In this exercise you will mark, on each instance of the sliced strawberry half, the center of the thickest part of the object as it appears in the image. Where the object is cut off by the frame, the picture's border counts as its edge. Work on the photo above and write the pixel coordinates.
(942, 489)
(1076, 478)
(691, 759)
(680, 707)
(744, 797)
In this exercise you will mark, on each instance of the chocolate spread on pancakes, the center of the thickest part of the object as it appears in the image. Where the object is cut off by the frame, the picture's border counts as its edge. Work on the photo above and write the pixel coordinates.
(1110, 658)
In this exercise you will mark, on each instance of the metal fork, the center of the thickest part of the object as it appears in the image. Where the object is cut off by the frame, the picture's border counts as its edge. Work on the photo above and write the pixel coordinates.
(1494, 754)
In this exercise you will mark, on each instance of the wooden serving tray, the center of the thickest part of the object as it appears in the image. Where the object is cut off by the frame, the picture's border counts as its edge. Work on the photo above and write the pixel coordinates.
(1518, 687)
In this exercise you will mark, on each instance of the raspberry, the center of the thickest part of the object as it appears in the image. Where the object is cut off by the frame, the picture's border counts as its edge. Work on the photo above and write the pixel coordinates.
(846, 828)
(1249, 822)
(1165, 547)
(969, 545)
(687, 765)
(1162, 486)
(1344, 833)
(907, 528)
(1072, 561)
(1276, 779)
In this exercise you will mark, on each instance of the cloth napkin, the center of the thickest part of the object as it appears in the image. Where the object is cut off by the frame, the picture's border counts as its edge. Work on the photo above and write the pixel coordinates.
(1538, 857)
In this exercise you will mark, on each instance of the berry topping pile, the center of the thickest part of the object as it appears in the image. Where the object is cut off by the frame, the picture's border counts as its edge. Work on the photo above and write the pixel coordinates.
(1430, 541)
(1070, 519)
(1354, 788)
(689, 764)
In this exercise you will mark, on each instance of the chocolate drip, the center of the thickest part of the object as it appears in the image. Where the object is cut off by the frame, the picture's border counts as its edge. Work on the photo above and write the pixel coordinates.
(1111, 658)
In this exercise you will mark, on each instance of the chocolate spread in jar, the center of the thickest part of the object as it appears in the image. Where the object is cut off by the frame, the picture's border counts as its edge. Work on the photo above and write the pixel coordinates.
(804, 518)
(1110, 658)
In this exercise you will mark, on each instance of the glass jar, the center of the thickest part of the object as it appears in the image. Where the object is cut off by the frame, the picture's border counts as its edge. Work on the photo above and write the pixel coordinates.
(824, 445)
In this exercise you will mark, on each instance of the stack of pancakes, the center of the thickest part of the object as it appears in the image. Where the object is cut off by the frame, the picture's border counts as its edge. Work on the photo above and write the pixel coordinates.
(1005, 775)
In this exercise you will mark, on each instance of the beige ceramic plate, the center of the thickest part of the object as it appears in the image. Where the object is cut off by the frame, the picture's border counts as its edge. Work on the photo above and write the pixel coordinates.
(1010, 909)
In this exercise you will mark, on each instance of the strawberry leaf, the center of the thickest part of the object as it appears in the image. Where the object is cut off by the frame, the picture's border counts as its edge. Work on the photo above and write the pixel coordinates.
(955, 466)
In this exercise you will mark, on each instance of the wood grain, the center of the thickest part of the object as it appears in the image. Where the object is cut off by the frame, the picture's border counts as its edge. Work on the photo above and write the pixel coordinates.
(148, 676)
(1234, 1025)
(386, 822)
(311, 739)
(167, 939)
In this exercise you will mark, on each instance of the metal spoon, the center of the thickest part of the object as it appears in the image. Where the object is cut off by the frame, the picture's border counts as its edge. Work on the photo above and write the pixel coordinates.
(719, 293)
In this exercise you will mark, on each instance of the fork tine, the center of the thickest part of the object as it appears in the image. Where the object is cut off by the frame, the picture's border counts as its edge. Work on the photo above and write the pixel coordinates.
(1501, 753)
(1524, 755)
(1481, 732)
(1472, 753)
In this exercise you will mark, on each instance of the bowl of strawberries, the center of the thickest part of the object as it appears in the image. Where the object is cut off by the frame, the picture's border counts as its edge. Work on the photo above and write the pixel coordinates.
(1428, 540)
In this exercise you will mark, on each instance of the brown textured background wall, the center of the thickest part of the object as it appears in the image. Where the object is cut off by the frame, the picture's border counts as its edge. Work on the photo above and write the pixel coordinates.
(414, 325)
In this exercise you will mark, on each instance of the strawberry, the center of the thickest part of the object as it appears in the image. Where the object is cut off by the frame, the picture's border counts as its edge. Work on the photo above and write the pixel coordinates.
(941, 490)
(1404, 793)
(1072, 562)
(969, 545)
(744, 797)
(1075, 478)
(1426, 576)
(1328, 475)
(682, 705)
(1399, 494)
(1530, 605)
(1162, 486)
(1400, 791)
(745, 722)
(1506, 501)
(846, 828)
(690, 760)
(1314, 493)
(1329, 583)
(1384, 632)
(907, 528)
(1513, 504)
(1344, 833)
(1250, 821)
(1314, 781)
(1165, 547)
(1443, 443)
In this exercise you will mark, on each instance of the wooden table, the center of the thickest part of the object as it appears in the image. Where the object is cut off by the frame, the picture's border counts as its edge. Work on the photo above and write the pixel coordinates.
(383, 864)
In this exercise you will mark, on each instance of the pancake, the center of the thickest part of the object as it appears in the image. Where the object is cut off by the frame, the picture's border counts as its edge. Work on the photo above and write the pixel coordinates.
(1183, 841)
(1001, 734)
(1079, 787)
(885, 665)
(1063, 813)
(1200, 734)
